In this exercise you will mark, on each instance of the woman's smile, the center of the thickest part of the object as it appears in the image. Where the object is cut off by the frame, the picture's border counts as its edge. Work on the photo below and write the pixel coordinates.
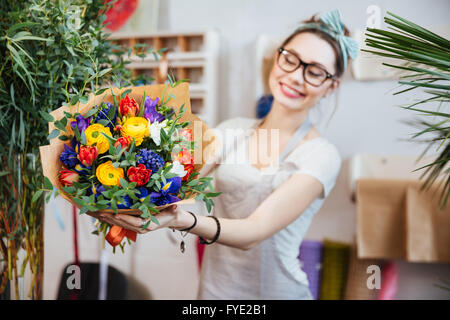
(290, 92)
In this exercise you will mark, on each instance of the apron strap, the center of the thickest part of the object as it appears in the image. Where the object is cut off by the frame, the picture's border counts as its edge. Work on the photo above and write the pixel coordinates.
(295, 139)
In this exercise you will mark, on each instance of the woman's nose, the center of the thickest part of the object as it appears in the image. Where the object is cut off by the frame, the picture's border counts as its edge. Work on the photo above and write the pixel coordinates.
(297, 76)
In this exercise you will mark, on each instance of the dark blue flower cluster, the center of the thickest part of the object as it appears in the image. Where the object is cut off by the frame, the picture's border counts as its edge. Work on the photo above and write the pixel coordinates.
(103, 115)
(150, 160)
(69, 157)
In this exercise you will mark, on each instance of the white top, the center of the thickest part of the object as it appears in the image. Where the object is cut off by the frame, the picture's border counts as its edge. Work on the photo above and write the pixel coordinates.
(270, 270)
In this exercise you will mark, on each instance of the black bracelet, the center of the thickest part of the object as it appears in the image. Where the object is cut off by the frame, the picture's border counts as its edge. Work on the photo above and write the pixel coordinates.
(193, 225)
(203, 241)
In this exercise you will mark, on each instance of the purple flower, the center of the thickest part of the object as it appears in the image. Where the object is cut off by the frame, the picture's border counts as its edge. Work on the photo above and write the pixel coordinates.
(69, 157)
(150, 112)
(81, 122)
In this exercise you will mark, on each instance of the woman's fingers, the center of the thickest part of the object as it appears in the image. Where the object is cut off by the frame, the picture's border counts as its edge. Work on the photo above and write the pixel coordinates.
(135, 223)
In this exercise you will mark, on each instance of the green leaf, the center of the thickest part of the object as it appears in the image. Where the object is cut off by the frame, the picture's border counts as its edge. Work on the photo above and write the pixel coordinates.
(37, 195)
(83, 138)
(125, 93)
(123, 183)
(53, 134)
(153, 218)
(47, 117)
(105, 71)
(47, 184)
(99, 92)
(59, 125)
(91, 112)
(213, 194)
(63, 138)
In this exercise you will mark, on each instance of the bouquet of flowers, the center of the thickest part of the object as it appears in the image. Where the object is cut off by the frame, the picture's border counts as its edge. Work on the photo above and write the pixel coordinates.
(129, 151)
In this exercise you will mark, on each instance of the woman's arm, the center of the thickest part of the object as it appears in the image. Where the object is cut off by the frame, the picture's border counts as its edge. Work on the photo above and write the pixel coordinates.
(276, 212)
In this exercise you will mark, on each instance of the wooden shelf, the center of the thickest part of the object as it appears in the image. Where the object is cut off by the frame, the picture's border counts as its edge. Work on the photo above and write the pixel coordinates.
(189, 55)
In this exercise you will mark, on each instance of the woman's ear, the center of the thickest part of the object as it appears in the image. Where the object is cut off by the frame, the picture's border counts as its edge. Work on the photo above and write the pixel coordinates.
(333, 87)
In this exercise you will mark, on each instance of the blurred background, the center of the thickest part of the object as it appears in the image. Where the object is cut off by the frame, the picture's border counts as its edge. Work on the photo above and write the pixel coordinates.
(222, 47)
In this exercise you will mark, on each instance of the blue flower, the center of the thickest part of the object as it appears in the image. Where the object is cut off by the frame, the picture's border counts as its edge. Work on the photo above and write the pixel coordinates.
(124, 202)
(164, 196)
(82, 169)
(143, 193)
(97, 190)
(103, 115)
(150, 160)
(69, 157)
(150, 112)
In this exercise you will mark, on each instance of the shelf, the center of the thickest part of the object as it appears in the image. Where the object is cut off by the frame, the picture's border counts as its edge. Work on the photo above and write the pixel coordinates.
(189, 55)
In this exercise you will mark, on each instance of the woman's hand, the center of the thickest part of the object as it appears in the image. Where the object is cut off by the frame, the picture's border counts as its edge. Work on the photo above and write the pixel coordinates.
(166, 218)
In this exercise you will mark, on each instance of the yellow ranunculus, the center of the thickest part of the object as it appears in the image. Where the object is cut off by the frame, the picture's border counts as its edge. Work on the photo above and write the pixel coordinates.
(135, 127)
(108, 175)
(93, 135)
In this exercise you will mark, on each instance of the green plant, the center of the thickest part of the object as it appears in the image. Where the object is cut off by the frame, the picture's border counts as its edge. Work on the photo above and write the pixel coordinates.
(425, 58)
(52, 52)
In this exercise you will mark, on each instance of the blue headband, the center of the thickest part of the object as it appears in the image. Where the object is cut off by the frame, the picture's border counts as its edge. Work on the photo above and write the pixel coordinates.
(331, 24)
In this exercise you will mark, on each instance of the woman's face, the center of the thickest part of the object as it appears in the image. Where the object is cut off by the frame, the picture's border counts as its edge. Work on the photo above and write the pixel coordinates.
(290, 90)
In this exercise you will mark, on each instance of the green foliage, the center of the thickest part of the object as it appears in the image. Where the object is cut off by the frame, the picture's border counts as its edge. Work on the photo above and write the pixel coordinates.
(52, 53)
(425, 58)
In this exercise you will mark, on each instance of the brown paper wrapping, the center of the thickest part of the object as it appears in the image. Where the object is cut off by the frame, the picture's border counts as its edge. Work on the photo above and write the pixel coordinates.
(356, 287)
(205, 139)
(428, 227)
(395, 220)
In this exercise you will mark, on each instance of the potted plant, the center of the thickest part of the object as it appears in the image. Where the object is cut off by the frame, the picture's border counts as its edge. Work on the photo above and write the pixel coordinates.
(425, 58)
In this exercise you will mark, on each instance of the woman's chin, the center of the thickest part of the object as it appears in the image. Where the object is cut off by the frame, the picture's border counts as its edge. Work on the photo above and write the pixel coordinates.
(291, 105)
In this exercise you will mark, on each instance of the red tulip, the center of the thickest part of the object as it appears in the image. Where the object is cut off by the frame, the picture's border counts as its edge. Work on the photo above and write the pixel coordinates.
(67, 177)
(124, 142)
(139, 174)
(87, 155)
(128, 107)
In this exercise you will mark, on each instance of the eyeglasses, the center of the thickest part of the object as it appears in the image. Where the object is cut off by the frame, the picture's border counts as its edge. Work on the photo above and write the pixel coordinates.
(313, 74)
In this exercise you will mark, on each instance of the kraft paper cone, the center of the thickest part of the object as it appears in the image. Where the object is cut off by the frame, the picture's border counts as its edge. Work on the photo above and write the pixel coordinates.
(428, 227)
(356, 287)
(380, 218)
(205, 139)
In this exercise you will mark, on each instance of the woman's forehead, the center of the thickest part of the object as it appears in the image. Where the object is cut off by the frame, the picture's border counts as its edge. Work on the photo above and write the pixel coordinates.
(313, 49)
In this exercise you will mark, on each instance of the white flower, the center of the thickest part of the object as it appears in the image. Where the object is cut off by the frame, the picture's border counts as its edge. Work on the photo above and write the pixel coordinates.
(155, 131)
(178, 169)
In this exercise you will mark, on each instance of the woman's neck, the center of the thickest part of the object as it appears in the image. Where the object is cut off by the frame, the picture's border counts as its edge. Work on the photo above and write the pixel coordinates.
(284, 119)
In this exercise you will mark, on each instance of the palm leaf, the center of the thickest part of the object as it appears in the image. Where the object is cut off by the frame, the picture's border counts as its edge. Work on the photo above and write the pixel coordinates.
(425, 58)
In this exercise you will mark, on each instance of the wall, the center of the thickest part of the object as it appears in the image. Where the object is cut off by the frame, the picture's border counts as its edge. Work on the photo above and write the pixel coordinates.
(366, 121)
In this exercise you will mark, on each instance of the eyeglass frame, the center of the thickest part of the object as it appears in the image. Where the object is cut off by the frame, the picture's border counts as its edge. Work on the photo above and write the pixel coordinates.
(305, 65)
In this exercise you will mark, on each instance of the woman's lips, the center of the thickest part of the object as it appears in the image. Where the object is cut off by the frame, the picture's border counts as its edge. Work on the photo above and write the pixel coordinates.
(290, 92)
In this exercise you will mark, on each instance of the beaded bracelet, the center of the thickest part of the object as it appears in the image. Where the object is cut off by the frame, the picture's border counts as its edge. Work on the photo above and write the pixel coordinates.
(203, 241)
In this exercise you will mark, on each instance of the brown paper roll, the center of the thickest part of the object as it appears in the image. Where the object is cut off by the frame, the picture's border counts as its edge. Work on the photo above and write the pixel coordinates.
(428, 227)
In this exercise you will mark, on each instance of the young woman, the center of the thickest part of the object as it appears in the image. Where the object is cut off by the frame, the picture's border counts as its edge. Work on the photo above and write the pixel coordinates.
(264, 211)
